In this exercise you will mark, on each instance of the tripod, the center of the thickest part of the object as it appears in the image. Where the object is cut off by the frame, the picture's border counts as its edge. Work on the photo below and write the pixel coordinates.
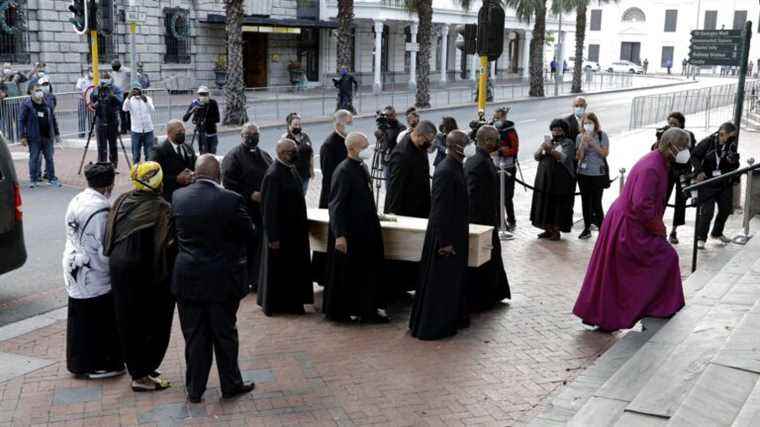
(377, 170)
(504, 234)
(198, 122)
(87, 146)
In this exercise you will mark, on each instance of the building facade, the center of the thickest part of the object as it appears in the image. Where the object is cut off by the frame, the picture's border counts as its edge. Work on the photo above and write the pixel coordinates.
(180, 41)
(659, 31)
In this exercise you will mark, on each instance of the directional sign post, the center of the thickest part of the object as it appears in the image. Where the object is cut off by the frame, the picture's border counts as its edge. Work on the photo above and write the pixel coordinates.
(747, 36)
(715, 47)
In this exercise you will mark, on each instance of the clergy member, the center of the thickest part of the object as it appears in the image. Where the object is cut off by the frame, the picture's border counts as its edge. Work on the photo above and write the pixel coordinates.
(140, 242)
(92, 349)
(244, 168)
(284, 279)
(409, 173)
(439, 303)
(634, 271)
(487, 285)
(355, 248)
(332, 152)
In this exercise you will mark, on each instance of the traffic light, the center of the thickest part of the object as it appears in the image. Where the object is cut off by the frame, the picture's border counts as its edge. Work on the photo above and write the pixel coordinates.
(490, 39)
(468, 44)
(79, 16)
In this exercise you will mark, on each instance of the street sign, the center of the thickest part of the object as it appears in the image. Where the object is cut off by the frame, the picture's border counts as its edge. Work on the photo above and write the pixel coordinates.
(136, 17)
(715, 47)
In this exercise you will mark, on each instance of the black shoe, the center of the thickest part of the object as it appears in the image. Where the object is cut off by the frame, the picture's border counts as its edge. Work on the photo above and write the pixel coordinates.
(674, 238)
(377, 319)
(586, 234)
(194, 399)
(511, 226)
(243, 389)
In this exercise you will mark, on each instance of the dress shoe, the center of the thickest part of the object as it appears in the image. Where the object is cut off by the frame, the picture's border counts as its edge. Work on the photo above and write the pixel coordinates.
(243, 389)
(194, 399)
(377, 319)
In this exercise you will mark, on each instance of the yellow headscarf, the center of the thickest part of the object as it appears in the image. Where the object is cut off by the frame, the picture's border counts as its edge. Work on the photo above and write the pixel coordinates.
(147, 176)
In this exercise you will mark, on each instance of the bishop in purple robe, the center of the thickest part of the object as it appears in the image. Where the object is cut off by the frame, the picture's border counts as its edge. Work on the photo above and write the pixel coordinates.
(634, 272)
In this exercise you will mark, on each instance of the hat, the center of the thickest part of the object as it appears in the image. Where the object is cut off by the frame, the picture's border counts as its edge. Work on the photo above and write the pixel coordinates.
(203, 89)
(99, 174)
(147, 176)
(136, 85)
(42, 80)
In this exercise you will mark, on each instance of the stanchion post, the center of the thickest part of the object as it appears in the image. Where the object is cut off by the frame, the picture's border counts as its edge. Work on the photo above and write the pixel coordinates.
(742, 239)
(694, 251)
(622, 180)
(504, 234)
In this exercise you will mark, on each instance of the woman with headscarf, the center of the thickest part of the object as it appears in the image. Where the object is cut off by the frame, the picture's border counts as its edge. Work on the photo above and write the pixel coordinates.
(552, 208)
(139, 241)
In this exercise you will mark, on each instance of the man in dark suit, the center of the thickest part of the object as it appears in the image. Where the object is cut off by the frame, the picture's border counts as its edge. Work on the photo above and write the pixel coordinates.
(212, 227)
(574, 120)
(177, 159)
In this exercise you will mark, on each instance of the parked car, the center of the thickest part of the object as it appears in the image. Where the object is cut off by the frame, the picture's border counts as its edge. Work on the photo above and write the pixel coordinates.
(593, 66)
(12, 245)
(625, 67)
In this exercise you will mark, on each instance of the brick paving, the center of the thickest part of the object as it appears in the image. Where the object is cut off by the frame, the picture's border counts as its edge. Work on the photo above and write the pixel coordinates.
(310, 372)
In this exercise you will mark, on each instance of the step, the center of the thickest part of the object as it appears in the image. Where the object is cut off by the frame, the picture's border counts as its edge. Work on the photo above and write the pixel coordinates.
(750, 412)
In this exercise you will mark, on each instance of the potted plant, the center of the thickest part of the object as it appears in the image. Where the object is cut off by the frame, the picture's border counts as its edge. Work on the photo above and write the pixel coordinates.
(220, 70)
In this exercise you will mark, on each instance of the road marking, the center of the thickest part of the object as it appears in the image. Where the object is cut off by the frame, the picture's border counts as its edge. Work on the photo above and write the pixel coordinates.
(527, 121)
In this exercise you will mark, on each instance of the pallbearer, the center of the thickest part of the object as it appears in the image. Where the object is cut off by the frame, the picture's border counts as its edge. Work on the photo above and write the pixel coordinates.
(439, 304)
(284, 279)
(486, 285)
(355, 247)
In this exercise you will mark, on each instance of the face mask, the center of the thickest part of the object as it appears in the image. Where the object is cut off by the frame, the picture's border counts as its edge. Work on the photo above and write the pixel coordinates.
(346, 129)
(682, 157)
(470, 150)
(203, 99)
(38, 94)
(556, 137)
(364, 154)
(588, 127)
(7, 71)
(106, 82)
(46, 89)
(295, 131)
(116, 67)
(252, 141)
(179, 138)
(498, 124)
(343, 72)
(579, 111)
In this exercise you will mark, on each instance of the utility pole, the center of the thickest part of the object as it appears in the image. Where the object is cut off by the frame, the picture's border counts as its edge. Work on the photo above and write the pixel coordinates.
(557, 54)
(94, 51)
(134, 15)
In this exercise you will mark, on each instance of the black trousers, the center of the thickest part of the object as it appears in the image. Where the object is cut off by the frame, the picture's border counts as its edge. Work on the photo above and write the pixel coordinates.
(125, 121)
(107, 148)
(210, 329)
(592, 190)
(725, 201)
(679, 212)
(509, 194)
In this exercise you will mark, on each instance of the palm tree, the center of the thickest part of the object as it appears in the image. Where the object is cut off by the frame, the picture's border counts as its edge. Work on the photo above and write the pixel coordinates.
(345, 19)
(234, 89)
(424, 10)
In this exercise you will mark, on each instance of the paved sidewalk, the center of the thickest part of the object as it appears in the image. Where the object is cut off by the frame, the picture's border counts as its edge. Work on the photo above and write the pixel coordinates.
(312, 372)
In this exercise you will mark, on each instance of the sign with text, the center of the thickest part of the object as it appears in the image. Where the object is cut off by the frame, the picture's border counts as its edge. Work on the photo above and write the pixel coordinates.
(715, 47)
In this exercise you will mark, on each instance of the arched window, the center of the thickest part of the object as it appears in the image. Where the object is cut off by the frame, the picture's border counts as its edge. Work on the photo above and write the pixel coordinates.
(634, 14)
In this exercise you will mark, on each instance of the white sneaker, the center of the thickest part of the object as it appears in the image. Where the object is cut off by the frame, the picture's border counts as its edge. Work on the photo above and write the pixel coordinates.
(700, 244)
(97, 375)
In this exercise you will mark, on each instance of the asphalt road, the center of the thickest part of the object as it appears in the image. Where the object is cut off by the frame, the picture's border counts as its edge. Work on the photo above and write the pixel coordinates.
(37, 287)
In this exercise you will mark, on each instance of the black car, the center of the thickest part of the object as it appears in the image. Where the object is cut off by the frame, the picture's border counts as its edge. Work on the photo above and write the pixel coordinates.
(12, 249)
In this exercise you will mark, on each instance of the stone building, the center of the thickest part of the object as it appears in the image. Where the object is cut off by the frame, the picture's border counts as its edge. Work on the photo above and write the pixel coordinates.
(181, 40)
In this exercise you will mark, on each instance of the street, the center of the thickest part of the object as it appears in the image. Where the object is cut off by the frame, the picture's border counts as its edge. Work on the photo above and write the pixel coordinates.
(38, 286)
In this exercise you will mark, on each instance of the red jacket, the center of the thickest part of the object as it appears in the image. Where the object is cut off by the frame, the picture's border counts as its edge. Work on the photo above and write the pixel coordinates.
(510, 142)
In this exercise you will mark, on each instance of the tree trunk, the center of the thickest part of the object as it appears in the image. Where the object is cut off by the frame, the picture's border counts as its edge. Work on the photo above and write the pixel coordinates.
(345, 18)
(234, 89)
(425, 41)
(580, 38)
(537, 51)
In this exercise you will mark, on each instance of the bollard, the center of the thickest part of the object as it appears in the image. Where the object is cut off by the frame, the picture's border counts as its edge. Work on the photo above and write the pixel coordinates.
(621, 177)
(742, 239)
(503, 233)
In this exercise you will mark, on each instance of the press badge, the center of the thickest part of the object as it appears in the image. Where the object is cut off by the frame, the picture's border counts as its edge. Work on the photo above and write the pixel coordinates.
(583, 165)
(40, 114)
(716, 173)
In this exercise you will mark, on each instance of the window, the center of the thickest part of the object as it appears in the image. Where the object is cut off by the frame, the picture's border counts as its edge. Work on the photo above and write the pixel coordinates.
(740, 17)
(593, 52)
(596, 20)
(634, 14)
(667, 56)
(671, 20)
(177, 36)
(711, 20)
(13, 34)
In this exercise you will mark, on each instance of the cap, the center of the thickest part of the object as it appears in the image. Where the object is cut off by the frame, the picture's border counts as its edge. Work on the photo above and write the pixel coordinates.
(43, 80)
(136, 85)
(203, 89)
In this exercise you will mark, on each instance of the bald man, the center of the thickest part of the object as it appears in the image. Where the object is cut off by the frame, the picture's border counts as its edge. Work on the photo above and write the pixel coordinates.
(439, 302)
(284, 278)
(355, 245)
(176, 158)
(487, 284)
(212, 230)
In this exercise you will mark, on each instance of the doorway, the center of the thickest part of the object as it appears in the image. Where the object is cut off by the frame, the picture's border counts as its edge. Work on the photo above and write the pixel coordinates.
(630, 51)
(255, 46)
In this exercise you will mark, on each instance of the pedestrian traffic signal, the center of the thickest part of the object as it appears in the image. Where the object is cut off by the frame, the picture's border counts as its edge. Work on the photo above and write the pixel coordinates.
(468, 44)
(79, 16)
(490, 39)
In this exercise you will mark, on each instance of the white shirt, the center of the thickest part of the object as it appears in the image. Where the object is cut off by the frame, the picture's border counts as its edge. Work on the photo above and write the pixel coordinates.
(140, 113)
(85, 267)
(121, 78)
(83, 83)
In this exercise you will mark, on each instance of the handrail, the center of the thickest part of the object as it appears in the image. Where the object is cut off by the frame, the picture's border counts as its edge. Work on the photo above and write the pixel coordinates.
(722, 177)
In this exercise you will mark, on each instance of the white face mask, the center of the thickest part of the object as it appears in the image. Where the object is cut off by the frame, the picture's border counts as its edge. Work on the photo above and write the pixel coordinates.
(38, 94)
(683, 157)
(364, 154)
(579, 111)
(588, 127)
(46, 89)
(470, 150)
(203, 99)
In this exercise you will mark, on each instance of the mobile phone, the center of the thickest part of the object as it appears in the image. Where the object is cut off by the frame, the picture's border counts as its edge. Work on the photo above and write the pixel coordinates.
(547, 138)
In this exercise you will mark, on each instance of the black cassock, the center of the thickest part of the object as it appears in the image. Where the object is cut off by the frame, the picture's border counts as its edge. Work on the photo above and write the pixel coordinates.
(554, 189)
(439, 303)
(284, 280)
(487, 284)
(243, 171)
(409, 186)
(332, 152)
(354, 278)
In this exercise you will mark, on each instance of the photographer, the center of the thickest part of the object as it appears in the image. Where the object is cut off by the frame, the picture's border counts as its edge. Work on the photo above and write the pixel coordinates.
(106, 99)
(509, 146)
(713, 156)
(388, 130)
(140, 108)
(679, 174)
(120, 76)
(205, 114)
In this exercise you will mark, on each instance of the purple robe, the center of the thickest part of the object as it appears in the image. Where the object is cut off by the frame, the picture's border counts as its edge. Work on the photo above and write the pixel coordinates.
(633, 272)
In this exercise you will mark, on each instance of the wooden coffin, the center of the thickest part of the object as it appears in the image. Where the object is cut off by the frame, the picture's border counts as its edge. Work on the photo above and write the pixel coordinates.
(403, 239)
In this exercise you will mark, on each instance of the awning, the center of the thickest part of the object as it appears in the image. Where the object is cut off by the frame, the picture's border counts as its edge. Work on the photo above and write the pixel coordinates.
(264, 22)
